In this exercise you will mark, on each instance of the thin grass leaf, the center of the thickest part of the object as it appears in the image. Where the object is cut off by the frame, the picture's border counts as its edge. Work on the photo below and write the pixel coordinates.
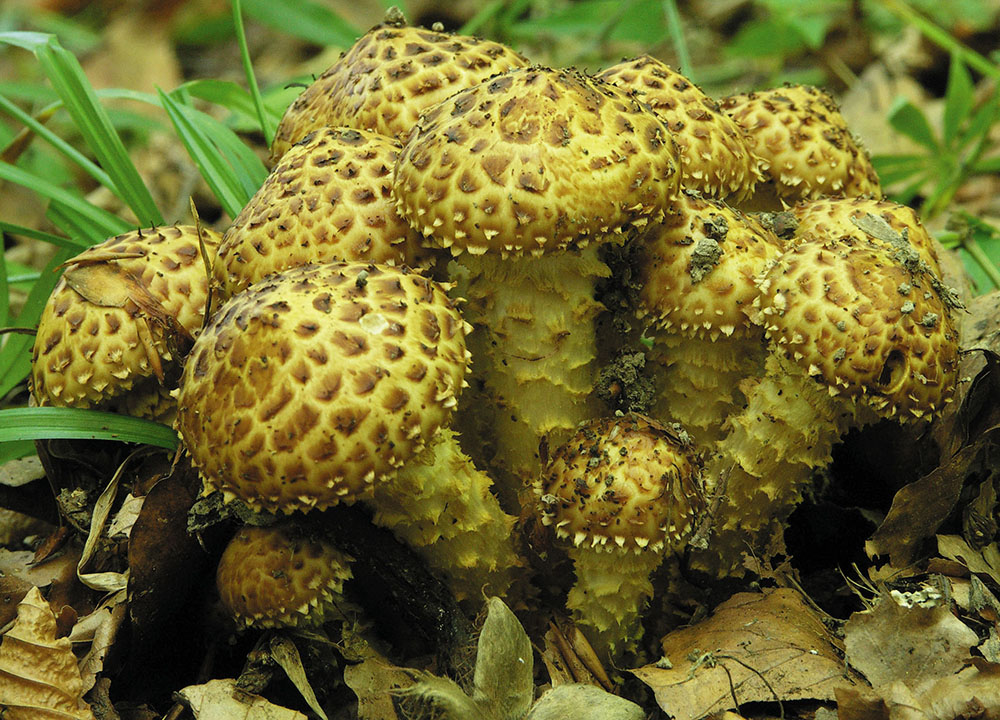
(16, 450)
(908, 119)
(989, 165)
(4, 292)
(676, 30)
(67, 150)
(476, 23)
(896, 168)
(28, 92)
(304, 19)
(241, 38)
(15, 355)
(958, 100)
(112, 224)
(41, 423)
(219, 174)
(90, 118)
(28, 232)
(228, 95)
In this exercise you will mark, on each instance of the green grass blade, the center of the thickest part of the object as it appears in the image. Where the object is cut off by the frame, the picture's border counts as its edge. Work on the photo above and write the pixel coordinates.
(230, 96)
(110, 224)
(958, 100)
(241, 38)
(896, 168)
(40, 423)
(23, 231)
(90, 118)
(15, 355)
(228, 187)
(908, 119)
(304, 19)
(485, 15)
(4, 293)
(676, 31)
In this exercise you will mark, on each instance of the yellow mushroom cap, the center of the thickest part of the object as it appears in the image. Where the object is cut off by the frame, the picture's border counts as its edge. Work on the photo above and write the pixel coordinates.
(120, 318)
(534, 160)
(280, 577)
(834, 218)
(387, 78)
(799, 132)
(623, 483)
(316, 382)
(856, 320)
(700, 267)
(716, 158)
(328, 199)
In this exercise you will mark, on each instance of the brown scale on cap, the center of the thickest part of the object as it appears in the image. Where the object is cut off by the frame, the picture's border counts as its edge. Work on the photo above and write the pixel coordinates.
(328, 199)
(626, 491)
(387, 78)
(851, 316)
(280, 577)
(535, 160)
(834, 218)
(698, 281)
(716, 157)
(314, 382)
(114, 330)
(804, 140)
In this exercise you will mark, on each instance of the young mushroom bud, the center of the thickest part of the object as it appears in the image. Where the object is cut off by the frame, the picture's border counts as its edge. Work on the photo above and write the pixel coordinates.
(854, 337)
(328, 199)
(805, 142)
(334, 383)
(625, 491)
(697, 282)
(120, 320)
(716, 158)
(279, 576)
(521, 177)
(387, 78)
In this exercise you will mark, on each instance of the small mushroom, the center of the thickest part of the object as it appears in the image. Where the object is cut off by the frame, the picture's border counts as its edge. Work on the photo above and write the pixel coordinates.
(334, 383)
(626, 492)
(280, 576)
(328, 199)
(804, 140)
(521, 177)
(846, 348)
(387, 78)
(697, 282)
(115, 330)
(716, 158)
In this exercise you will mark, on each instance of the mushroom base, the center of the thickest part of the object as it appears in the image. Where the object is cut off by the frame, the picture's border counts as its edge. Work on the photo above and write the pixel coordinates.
(534, 322)
(611, 589)
(440, 504)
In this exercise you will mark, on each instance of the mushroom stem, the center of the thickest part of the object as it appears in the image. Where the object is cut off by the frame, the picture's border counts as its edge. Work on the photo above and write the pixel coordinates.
(440, 505)
(698, 378)
(534, 318)
(609, 595)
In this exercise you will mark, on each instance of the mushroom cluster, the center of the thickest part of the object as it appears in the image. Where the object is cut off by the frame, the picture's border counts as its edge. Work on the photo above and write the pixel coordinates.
(404, 319)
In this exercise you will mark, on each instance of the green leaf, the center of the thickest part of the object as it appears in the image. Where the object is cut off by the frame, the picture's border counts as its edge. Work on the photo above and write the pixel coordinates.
(908, 119)
(266, 126)
(90, 118)
(227, 165)
(40, 423)
(4, 292)
(304, 19)
(892, 169)
(958, 99)
(765, 38)
(16, 450)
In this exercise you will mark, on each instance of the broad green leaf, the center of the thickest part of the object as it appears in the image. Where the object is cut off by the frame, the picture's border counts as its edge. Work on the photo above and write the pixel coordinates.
(896, 168)
(765, 38)
(91, 120)
(110, 224)
(16, 450)
(958, 99)
(40, 423)
(304, 19)
(910, 120)
(811, 28)
(643, 23)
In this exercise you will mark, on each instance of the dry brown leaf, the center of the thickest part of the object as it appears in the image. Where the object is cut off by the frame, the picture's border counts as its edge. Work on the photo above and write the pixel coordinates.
(760, 647)
(985, 561)
(222, 699)
(40, 675)
(913, 646)
(373, 680)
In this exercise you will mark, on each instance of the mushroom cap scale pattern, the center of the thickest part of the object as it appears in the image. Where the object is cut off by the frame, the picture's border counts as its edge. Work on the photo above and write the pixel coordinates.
(387, 78)
(716, 156)
(327, 200)
(864, 325)
(623, 484)
(535, 160)
(317, 382)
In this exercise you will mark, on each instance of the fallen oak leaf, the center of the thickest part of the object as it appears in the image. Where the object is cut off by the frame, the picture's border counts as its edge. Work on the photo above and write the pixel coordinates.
(222, 699)
(41, 677)
(756, 647)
